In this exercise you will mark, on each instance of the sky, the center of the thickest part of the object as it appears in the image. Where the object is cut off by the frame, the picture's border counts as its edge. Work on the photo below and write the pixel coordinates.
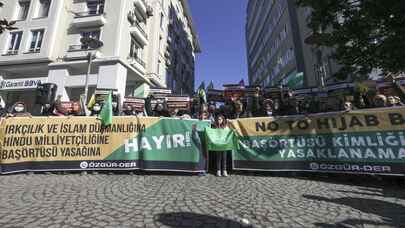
(220, 25)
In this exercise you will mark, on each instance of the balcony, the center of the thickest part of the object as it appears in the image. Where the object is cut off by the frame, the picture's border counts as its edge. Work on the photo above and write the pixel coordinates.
(167, 54)
(89, 19)
(33, 50)
(168, 62)
(137, 63)
(142, 7)
(139, 34)
(11, 52)
(78, 52)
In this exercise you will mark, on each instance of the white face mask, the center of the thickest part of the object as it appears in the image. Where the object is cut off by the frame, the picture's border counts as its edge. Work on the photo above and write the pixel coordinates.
(19, 108)
(114, 104)
(269, 113)
(96, 108)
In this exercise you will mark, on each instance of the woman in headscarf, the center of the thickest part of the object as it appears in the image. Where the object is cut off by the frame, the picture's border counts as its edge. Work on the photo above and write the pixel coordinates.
(19, 110)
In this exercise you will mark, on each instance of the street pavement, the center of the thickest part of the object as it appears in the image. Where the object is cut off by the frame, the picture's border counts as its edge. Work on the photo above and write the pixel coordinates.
(159, 200)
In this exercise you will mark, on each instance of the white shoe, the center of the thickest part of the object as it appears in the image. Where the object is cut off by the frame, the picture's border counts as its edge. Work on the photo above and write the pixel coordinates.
(225, 174)
(218, 173)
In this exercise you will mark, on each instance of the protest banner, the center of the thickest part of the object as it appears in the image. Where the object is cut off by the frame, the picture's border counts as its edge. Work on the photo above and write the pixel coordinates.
(81, 143)
(365, 141)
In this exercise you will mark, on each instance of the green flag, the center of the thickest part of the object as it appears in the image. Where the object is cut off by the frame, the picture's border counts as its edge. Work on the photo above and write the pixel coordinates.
(221, 139)
(106, 112)
(295, 81)
(201, 93)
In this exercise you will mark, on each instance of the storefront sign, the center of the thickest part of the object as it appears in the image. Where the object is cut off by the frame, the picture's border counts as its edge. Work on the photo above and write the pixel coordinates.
(27, 83)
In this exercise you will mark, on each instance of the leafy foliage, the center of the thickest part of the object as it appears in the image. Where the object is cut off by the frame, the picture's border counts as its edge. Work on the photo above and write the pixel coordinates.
(365, 34)
(6, 25)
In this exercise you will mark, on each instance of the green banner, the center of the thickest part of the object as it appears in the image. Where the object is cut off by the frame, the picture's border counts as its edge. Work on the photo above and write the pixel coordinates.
(220, 139)
(45, 144)
(369, 141)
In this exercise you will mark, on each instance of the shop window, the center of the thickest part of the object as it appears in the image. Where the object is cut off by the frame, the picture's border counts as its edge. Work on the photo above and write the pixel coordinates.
(136, 51)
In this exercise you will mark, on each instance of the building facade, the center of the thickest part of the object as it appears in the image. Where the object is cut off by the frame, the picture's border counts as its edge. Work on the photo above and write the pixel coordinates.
(135, 34)
(276, 31)
(173, 46)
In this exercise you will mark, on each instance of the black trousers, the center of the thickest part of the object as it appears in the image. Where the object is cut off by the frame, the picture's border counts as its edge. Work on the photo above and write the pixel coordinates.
(221, 159)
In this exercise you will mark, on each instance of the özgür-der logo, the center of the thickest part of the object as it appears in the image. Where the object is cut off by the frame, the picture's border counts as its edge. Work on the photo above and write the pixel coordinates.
(84, 165)
(314, 166)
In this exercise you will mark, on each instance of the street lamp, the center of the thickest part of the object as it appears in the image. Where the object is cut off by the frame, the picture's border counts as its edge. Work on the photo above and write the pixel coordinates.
(92, 44)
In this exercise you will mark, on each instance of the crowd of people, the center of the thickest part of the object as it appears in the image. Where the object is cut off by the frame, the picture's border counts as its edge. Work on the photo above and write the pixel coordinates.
(254, 106)
(287, 106)
(217, 113)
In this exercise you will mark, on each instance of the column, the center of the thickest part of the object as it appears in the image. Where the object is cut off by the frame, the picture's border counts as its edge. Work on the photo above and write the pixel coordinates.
(113, 77)
(58, 77)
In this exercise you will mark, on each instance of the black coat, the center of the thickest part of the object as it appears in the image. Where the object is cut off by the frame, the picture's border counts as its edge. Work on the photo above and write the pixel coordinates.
(163, 113)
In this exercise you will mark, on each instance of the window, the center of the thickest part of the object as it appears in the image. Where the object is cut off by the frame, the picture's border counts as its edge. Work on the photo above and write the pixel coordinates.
(15, 42)
(158, 67)
(174, 84)
(95, 7)
(161, 20)
(36, 40)
(23, 8)
(90, 34)
(160, 44)
(136, 49)
(44, 6)
(169, 80)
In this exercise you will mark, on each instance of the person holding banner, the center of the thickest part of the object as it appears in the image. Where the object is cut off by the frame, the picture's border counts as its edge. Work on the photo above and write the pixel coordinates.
(268, 108)
(398, 101)
(18, 110)
(58, 107)
(238, 110)
(161, 111)
(221, 139)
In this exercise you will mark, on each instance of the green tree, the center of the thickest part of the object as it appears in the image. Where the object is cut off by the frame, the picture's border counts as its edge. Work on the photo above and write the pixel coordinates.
(364, 34)
(4, 24)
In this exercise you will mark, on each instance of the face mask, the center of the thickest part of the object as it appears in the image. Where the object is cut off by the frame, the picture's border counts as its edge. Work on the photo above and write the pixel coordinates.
(269, 113)
(19, 109)
(114, 104)
(96, 108)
